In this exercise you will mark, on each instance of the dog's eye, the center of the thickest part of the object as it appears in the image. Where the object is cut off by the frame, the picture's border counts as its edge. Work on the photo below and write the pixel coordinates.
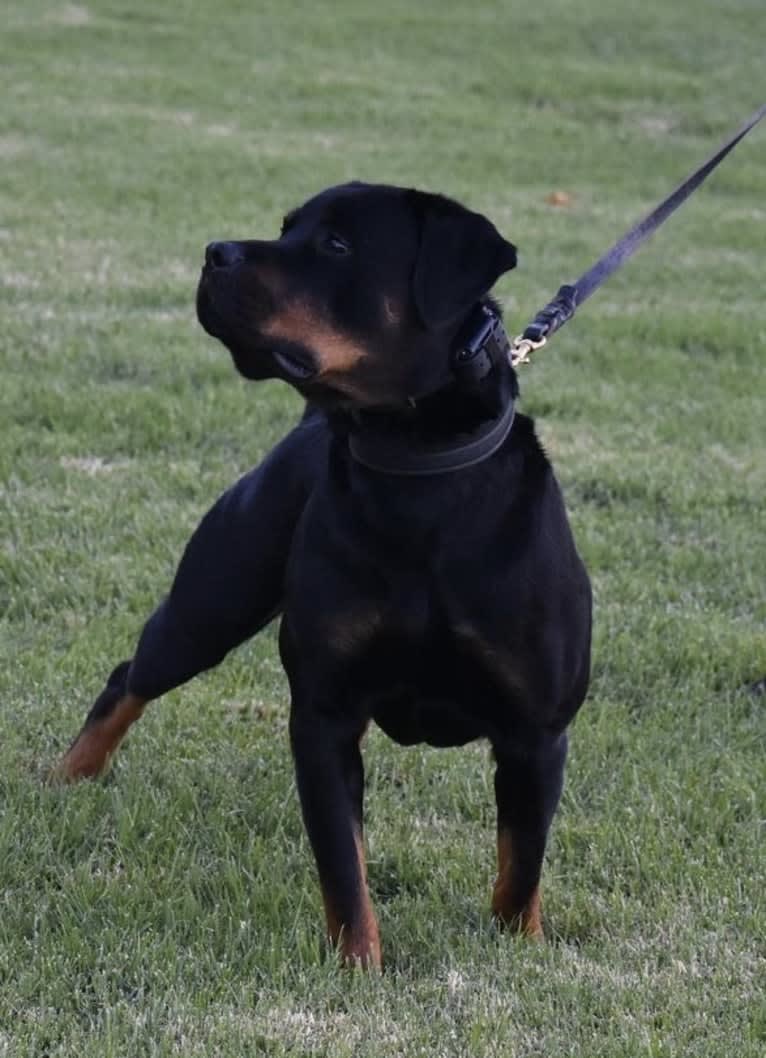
(334, 244)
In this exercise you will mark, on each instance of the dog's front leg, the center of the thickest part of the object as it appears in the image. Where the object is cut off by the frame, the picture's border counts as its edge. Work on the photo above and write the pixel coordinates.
(528, 784)
(229, 584)
(330, 775)
(107, 723)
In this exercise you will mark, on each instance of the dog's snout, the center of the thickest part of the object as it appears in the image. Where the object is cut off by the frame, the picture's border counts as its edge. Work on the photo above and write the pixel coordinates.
(223, 254)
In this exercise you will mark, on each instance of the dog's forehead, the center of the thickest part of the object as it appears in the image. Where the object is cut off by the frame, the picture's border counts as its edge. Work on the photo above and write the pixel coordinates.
(357, 205)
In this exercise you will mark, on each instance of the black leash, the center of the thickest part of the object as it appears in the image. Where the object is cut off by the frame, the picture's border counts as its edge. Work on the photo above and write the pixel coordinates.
(570, 296)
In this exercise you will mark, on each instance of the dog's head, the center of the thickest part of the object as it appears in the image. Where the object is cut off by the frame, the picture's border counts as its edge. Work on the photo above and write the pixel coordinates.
(359, 299)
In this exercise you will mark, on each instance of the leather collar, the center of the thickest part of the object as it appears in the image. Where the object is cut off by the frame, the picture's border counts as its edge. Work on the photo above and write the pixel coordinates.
(392, 454)
(482, 344)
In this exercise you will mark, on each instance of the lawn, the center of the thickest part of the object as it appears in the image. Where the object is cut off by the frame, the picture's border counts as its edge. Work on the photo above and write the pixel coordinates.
(172, 909)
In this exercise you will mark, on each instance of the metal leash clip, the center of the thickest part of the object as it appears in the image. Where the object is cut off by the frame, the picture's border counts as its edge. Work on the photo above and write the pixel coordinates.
(521, 348)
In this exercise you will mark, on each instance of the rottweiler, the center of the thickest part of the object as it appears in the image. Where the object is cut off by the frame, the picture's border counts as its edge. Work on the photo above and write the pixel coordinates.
(409, 530)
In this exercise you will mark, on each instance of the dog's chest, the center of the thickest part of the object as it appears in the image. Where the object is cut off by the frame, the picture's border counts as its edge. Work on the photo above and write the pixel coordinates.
(425, 670)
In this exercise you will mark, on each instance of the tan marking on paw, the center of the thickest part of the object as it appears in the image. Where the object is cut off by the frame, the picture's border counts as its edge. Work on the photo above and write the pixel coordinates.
(91, 751)
(526, 919)
(358, 941)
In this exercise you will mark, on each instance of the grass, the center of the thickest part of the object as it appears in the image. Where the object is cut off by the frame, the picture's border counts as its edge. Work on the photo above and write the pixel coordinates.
(173, 908)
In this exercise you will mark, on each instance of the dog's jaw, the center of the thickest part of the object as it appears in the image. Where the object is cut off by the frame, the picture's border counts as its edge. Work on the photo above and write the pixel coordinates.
(256, 355)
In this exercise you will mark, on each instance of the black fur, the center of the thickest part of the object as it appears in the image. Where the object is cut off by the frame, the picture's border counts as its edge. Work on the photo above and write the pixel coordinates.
(444, 608)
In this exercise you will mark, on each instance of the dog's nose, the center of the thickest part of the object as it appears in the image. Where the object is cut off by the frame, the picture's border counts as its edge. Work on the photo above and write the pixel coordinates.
(223, 254)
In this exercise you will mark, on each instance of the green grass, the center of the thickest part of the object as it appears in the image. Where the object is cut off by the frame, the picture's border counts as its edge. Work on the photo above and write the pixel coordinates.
(173, 908)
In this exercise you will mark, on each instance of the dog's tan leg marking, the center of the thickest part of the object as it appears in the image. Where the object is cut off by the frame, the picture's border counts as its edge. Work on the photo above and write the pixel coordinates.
(89, 754)
(357, 941)
(523, 917)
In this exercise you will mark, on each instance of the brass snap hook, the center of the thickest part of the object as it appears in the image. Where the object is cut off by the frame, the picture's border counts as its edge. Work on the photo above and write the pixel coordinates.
(521, 348)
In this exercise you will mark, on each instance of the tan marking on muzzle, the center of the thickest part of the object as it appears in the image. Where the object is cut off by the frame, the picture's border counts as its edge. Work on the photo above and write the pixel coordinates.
(335, 352)
(270, 278)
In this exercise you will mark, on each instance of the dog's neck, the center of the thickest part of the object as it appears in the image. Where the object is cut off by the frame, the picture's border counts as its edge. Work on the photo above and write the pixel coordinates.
(458, 426)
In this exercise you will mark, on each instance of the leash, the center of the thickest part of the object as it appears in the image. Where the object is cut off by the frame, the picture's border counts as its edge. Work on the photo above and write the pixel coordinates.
(485, 341)
(570, 296)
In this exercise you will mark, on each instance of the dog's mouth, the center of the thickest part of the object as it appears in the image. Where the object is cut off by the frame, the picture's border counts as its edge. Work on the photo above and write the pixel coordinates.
(294, 364)
(251, 351)
(207, 313)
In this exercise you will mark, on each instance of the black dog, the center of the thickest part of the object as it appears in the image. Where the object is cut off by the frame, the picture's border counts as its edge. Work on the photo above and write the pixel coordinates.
(409, 529)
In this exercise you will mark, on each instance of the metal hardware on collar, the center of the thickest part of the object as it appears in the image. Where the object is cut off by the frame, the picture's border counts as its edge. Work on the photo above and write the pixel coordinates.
(485, 343)
(403, 456)
(559, 311)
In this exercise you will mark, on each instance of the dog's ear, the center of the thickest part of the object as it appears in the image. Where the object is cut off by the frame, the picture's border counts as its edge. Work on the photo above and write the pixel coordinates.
(461, 255)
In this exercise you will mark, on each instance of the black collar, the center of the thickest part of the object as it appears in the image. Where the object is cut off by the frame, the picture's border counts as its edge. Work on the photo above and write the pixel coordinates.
(392, 454)
(482, 345)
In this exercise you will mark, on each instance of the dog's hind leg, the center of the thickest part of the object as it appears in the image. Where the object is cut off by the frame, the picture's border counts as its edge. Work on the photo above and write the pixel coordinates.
(528, 786)
(229, 584)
